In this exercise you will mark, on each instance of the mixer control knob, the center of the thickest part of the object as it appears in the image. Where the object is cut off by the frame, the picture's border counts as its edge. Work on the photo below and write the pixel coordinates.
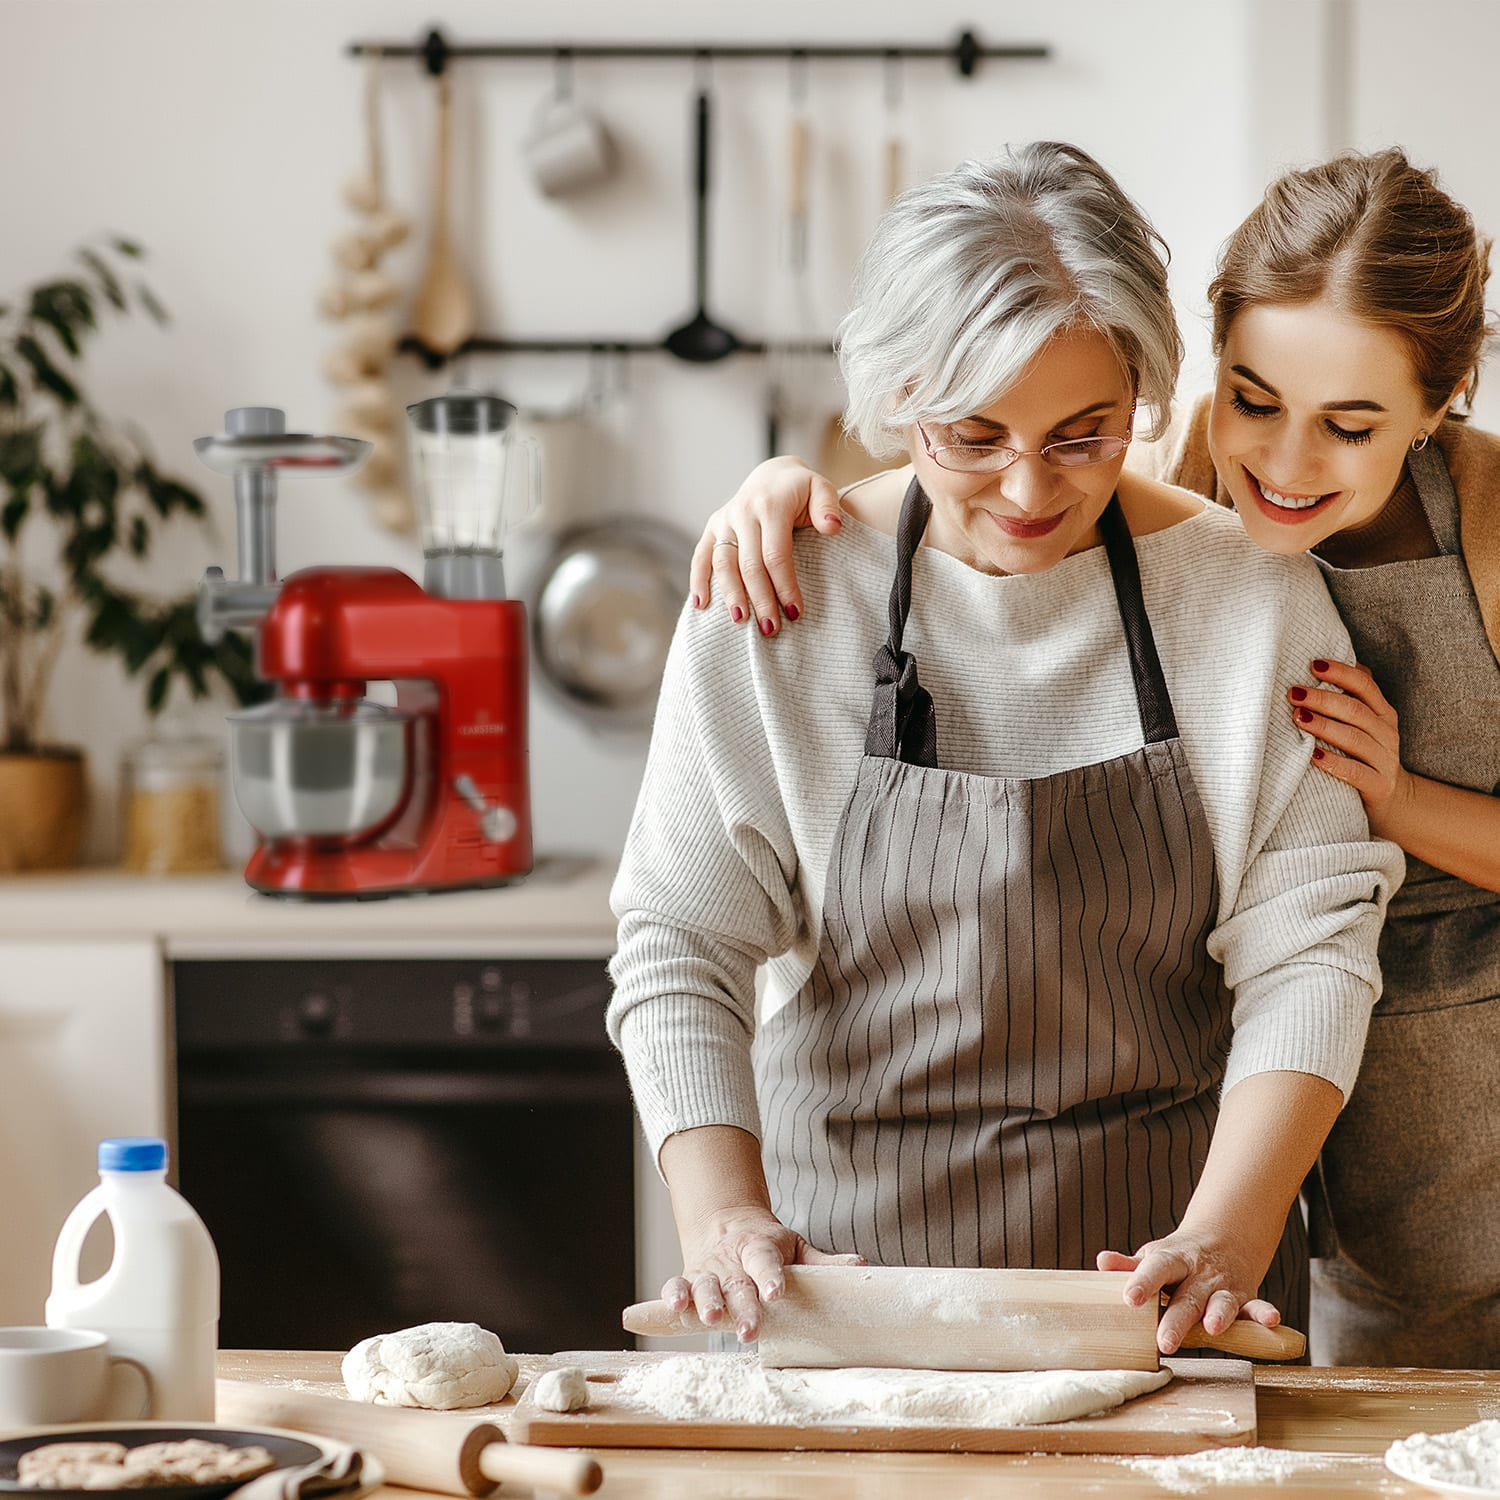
(497, 823)
(315, 1013)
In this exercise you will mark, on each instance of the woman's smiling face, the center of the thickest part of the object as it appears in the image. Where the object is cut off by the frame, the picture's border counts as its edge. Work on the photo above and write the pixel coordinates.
(1027, 518)
(1314, 412)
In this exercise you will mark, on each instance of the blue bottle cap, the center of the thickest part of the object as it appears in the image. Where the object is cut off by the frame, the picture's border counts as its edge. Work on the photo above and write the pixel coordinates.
(132, 1153)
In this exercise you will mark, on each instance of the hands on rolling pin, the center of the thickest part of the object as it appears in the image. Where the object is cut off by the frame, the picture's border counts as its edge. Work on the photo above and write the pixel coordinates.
(734, 1249)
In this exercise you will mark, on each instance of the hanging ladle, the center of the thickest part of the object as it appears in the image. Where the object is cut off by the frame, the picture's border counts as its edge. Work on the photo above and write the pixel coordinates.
(701, 339)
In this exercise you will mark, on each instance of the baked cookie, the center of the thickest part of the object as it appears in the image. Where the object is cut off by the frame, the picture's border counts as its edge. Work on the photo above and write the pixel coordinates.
(71, 1466)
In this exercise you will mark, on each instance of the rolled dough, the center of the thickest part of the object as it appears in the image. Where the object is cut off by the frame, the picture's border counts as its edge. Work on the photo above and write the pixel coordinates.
(441, 1366)
(735, 1388)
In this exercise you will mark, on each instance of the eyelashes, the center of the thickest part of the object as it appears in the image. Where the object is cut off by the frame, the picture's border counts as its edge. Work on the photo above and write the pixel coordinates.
(1341, 434)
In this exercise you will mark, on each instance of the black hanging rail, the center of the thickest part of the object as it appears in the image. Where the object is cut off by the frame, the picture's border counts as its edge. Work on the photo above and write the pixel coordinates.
(965, 53)
(436, 52)
(484, 344)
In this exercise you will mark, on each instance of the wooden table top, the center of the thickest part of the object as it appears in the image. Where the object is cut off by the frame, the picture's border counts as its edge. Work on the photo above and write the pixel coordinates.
(1321, 1432)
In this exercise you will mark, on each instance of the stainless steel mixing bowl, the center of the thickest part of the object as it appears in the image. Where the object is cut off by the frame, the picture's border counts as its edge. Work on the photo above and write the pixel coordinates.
(306, 769)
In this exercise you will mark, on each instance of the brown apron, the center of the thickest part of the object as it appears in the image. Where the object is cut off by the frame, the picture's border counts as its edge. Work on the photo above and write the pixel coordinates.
(1407, 1224)
(1010, 1049)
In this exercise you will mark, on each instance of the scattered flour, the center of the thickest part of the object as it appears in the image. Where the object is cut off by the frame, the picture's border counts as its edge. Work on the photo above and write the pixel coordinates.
(1195, 1472)
(1469, 1457)
(736, 1388)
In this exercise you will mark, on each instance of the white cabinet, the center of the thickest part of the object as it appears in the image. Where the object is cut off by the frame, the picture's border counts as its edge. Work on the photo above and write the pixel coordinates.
(83, 1055)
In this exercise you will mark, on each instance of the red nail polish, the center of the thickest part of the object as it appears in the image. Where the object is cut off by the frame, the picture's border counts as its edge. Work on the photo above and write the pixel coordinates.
(696, 605)
(1320, 665)
(793, 613)
(768, 627)
(1318, 752)
(736, 614)
(1298, 694)
(1305, 715)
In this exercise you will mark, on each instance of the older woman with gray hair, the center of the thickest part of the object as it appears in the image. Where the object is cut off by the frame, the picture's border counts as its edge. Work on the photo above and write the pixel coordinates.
(1067, 955)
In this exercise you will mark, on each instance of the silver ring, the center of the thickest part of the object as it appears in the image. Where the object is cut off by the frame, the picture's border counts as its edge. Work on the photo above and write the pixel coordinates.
(717, 545)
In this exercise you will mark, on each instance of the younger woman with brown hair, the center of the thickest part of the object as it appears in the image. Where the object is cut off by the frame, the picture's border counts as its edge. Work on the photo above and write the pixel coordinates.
(1349, 322)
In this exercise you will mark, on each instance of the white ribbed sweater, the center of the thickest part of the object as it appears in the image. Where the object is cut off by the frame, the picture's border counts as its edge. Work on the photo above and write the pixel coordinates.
(757, 741)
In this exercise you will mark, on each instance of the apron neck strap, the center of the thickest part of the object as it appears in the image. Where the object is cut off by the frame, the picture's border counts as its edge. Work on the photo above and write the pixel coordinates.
(1429, 471)
(902, 724)
(1153, 702)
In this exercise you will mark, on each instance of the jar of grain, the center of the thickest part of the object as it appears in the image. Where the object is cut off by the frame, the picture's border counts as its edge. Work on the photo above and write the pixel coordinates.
(170, 796)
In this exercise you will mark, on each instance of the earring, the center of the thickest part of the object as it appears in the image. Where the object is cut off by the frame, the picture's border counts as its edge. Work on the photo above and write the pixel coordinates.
(1419, 442)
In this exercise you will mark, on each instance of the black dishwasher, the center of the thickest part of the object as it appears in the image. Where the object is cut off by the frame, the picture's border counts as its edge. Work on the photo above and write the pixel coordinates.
(379, 1143)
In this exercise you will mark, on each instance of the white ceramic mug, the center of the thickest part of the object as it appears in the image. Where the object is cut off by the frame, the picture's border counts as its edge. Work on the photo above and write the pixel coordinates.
(567, 148)
(51, 1375)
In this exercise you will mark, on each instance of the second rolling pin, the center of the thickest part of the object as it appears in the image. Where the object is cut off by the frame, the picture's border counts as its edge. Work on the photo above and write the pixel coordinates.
(425, 1450)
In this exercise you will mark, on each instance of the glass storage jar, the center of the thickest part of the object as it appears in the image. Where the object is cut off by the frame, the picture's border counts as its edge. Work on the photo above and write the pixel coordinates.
(170, 797)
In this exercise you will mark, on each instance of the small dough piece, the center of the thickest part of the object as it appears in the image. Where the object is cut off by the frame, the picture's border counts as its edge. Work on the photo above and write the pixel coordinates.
(441, 1366)
(563, 1389)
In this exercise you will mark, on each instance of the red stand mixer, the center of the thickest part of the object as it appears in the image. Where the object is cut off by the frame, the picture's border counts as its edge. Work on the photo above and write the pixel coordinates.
(348, 796)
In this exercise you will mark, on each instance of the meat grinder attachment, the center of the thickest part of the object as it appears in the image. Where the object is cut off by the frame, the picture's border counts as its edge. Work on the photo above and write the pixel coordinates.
(252, 447)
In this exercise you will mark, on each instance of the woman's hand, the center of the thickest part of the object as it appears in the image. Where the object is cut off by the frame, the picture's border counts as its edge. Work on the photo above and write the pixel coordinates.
(1209, 1283)
(736, 1264)
(1358, 723)
(747, 544)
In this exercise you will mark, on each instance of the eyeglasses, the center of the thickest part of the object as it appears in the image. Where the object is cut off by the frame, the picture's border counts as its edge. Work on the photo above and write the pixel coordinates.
(991, 458)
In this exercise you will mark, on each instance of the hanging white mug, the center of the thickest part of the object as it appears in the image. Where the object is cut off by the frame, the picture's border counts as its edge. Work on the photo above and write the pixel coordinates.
(568, 148)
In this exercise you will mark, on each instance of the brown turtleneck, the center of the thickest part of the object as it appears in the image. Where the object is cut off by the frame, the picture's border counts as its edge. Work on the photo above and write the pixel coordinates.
(1399, 533)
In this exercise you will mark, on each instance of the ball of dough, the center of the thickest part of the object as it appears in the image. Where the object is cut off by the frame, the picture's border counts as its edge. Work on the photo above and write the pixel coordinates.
(437, 1365)
(564, 1389)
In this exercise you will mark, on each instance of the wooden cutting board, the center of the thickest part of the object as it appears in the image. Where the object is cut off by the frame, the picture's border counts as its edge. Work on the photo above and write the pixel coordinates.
(1210, 1403)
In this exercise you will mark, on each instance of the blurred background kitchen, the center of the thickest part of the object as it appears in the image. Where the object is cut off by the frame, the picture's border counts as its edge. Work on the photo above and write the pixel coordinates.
(411, 1080)
(223, 136)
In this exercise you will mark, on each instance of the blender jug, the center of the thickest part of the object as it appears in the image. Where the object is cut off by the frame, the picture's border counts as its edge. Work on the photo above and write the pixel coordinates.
(472, 476)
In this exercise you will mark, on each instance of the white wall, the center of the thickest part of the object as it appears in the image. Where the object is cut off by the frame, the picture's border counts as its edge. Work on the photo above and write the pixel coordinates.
(219, 132)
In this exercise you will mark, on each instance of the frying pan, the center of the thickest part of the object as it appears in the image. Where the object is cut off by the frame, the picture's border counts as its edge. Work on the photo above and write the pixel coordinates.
(604, 607)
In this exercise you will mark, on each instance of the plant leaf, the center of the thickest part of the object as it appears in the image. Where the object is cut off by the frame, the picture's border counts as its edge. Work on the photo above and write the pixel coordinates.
(67, 308)
(126, 247)
(45, 373)
(21, 456)
(10, 391)
(108, 281)
(147, 299)
(12, 514)
(156, 692)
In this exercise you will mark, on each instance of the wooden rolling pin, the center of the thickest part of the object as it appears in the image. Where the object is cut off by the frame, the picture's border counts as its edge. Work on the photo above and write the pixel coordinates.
(940, 1319)
(424, 1450)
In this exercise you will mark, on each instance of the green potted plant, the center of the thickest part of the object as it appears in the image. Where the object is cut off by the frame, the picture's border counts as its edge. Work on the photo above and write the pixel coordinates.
(77, 491)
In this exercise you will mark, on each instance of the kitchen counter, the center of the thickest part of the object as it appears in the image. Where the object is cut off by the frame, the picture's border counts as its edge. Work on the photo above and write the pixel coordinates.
(1321, 1432)
(560, 910)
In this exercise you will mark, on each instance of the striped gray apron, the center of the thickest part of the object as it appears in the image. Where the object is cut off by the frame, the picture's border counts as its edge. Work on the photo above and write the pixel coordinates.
(1408, 1223)
(1010, 1048)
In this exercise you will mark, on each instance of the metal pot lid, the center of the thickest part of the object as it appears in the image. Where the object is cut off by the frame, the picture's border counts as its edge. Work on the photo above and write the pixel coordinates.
(606, 606)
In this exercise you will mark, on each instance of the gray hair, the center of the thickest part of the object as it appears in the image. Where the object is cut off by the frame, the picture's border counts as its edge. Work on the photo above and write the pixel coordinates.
(967, 276)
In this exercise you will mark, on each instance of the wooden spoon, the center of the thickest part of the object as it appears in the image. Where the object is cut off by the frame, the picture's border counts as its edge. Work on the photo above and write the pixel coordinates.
(443, 314)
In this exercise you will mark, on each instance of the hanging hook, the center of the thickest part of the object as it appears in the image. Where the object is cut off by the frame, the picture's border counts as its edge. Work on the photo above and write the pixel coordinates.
(797, 78)
(435, 53)
(562, 73)
(895, 79)
(703, 69)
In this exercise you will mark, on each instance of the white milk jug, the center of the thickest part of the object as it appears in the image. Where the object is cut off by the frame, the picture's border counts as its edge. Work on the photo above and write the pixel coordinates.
(159, 1300)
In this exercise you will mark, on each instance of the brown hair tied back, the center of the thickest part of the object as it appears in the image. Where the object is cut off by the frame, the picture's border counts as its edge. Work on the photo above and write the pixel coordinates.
(1380, 239)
